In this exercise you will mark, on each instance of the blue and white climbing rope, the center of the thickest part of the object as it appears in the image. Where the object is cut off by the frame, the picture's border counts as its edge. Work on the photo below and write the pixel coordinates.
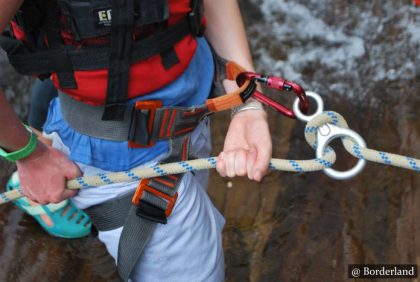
(313, 130)
(359, 152)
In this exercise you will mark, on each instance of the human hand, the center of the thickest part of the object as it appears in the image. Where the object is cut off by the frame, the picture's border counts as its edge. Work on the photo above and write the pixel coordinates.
(44, 173)
(247, 149)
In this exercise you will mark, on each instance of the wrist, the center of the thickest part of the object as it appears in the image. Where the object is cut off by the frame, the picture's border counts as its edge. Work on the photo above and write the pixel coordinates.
(23, 152)
(250, 105)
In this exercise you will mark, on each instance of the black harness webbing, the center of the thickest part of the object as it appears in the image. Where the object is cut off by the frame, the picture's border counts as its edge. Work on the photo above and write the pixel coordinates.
(62, 64)
(90, 57)
(119, 59)
(116, 57)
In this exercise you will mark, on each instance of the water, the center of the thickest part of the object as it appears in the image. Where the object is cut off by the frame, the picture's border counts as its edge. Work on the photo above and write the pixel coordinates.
(363, 58)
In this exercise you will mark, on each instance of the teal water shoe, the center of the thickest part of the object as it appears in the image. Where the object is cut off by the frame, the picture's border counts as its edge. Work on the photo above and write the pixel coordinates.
(67, 220)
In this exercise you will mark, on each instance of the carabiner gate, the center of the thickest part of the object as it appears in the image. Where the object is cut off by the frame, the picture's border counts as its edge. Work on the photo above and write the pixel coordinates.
(279, 84)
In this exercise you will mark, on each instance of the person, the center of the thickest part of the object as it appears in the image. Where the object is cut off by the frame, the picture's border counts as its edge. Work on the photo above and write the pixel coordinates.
(63, 219)
(189, 246)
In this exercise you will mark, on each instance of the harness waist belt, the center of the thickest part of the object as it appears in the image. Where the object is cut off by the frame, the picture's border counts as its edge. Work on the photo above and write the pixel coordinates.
(143, 124)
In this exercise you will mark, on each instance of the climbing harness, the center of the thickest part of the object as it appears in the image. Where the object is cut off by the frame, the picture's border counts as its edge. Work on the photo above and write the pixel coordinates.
(148, 122)
(321, 128)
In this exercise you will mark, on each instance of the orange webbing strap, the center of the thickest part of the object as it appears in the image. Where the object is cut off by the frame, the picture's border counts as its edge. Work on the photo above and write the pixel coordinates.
(231, 99)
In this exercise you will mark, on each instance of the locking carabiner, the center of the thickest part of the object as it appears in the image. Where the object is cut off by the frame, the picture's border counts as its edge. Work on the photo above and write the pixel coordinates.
(279, 84)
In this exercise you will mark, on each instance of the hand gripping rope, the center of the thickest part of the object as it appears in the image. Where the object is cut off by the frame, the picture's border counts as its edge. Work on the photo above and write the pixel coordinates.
(321, 128)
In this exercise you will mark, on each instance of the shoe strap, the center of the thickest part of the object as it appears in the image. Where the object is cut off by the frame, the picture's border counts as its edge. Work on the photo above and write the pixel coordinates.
(41, 209)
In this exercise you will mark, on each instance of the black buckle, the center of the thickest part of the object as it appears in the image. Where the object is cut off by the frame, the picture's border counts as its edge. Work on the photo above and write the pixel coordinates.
(151, 212)
(138, 133)
(148, 210)
(142, 120)
(18, 18)
(248, 91)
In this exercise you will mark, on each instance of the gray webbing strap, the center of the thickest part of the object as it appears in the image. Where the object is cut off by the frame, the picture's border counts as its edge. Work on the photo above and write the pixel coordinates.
(86, 119)
(219, 75)
(136, 234)
(169, 122)
(137, 230)
(111, 214)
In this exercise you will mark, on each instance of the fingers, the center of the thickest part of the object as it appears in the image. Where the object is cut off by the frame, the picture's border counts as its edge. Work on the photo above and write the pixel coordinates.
(50, 198)
(232, 163)
(43, 178)
(236, 163)
(244, 162)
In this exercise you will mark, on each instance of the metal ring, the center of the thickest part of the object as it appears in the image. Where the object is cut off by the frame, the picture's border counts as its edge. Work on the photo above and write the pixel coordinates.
(319, 103)
(325, 136)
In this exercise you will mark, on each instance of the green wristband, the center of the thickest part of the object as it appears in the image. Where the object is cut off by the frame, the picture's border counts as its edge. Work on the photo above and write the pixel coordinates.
(24, 152)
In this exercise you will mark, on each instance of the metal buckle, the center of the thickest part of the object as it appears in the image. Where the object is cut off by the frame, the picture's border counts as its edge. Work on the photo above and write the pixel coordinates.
(149, 211)
(279, 84)
(142, 122)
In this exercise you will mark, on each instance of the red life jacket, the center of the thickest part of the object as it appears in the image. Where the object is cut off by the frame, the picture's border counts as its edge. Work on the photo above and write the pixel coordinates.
(105, 51)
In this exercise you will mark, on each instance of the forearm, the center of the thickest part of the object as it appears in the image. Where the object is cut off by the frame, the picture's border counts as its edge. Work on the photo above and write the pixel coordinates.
(8, 9)
(13, 135)
(225, 31)
(247, 148)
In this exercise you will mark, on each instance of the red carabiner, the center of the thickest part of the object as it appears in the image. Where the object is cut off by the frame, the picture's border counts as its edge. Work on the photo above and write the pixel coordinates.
(279, 84)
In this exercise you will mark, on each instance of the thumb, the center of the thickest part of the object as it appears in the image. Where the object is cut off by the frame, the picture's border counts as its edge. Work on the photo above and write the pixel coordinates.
(67, 193)
(72, 170)
(261, 164)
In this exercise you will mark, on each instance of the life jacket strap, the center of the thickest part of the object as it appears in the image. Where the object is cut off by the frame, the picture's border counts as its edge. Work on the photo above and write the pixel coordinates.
(88, 58)
(119, 59)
